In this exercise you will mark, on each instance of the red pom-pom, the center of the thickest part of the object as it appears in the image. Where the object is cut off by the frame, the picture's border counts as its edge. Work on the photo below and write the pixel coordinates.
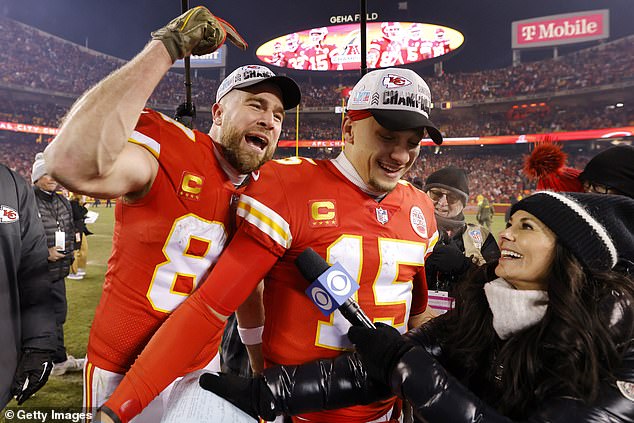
(546, 159)
(547, 164)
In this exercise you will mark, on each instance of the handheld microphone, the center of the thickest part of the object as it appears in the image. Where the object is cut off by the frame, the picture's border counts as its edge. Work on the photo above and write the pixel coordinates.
(331, 288)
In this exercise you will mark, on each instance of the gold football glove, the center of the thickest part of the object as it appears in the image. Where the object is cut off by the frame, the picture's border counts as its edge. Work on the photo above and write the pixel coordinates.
(198, 32)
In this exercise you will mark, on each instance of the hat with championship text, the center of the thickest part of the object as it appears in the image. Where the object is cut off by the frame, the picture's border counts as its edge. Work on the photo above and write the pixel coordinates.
(397, 98)
(246, 76)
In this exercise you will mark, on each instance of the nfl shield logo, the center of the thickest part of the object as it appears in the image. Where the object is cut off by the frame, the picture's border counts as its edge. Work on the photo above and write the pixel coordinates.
(382, 216)
(476, 236)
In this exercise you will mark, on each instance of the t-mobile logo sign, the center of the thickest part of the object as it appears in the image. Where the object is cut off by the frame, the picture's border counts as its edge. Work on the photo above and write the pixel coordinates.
(566, 29)
(561, 29)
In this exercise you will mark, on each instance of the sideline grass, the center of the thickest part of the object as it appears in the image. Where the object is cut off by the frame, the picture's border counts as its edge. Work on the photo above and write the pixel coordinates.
(83, 296)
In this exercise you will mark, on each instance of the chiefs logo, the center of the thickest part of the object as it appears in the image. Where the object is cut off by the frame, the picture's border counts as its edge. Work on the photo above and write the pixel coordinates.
(8, 215)
(395, 81)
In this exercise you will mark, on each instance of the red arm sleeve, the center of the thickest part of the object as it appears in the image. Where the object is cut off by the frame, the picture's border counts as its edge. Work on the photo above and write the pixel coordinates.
(419, 293)
(192, 325)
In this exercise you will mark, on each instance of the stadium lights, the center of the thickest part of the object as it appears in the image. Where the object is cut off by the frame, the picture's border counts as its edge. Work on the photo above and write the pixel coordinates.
(619, 104)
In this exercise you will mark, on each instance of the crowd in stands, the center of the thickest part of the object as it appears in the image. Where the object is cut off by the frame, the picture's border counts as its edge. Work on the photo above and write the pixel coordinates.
(38, 61)
(40, 114)
(18, 151)
(325, 126)
(495, 172)
(328, 127)
(600, 65)
(34, 59)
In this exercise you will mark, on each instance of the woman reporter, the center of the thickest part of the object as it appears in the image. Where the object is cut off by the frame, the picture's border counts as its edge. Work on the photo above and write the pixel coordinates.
(545, 334)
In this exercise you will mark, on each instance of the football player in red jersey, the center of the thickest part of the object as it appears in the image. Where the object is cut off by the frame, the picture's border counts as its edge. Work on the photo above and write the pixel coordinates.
(175, 184)
(354, 210)
(295, 56)
(277, 57)
(417, 47)
(440, 45)
(388, 50)
(319, 53)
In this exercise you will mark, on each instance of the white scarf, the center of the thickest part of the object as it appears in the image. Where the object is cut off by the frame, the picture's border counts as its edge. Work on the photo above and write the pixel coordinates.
(514, 309)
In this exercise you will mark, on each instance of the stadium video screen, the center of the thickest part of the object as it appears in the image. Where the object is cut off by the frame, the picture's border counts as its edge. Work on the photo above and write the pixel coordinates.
(337, 47)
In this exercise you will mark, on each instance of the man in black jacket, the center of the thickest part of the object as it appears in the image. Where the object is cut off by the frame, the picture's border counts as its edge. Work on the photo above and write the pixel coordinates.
(27, 324)
(462, 245)
(56, 213)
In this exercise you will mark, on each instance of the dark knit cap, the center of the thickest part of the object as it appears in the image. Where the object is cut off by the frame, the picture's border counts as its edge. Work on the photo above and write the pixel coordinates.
(598, 229)
(451, 178)
(614, 168)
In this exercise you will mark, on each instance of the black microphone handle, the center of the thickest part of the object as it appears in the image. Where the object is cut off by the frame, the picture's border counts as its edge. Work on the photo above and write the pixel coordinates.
(353, 313)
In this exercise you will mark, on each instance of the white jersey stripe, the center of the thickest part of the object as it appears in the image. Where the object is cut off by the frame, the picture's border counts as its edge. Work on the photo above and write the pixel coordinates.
(265, 219)
(145, 141)
(432, 242)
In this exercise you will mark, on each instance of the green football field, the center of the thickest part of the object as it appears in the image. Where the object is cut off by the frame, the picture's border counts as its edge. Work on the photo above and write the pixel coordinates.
(66, 391)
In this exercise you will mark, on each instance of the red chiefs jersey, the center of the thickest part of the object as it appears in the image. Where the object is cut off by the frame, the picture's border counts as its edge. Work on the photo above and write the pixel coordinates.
(440, 47)
(320, 57)
(418, 50)
(295, 59)
(163, 245)
(385, 53)
(299, 203)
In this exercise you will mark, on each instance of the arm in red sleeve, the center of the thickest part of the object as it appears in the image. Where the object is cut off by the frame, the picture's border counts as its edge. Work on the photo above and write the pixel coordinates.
(192, 325)
(419, 292)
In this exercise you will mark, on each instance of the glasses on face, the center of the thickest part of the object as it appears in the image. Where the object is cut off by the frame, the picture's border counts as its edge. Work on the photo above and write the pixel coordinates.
(596, 188)
(436, 195)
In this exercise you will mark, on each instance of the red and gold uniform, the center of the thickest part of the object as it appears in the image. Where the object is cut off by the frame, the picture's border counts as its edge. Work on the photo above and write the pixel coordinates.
(418, 50)
(290, 205)
(296, 59)
(163, 245)
(440, 47)
(320, 57)
(384, 53)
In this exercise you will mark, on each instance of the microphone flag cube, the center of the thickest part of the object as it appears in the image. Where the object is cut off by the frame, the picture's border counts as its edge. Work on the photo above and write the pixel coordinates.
(332, 288)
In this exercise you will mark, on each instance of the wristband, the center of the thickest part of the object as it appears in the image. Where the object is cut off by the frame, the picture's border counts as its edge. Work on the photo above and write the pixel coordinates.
(251, 336)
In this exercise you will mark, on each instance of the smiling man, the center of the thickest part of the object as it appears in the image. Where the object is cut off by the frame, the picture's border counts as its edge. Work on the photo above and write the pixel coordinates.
(176, 187)
(354, 209)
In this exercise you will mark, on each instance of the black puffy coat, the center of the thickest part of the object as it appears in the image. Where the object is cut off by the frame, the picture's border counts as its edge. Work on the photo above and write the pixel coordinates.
(56, 213)
(436, 395)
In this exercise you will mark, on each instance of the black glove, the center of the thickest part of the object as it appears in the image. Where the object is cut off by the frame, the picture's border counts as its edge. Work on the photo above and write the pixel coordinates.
(185, 114)
(251, 395)
(380, 349)
(448, 259)
(31, 374)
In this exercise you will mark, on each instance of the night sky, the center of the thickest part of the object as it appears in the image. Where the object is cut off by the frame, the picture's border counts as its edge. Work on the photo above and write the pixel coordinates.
(121, 27)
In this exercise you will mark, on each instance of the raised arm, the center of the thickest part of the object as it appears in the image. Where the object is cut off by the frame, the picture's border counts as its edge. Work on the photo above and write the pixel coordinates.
(91, 154)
